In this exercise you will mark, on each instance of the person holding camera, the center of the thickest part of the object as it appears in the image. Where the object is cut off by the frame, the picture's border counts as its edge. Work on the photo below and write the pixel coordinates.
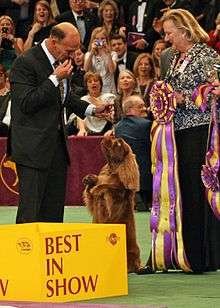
(10, 46)
(100, 59)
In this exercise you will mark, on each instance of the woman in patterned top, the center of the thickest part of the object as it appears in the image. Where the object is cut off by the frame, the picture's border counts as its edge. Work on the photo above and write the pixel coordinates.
(191, 66)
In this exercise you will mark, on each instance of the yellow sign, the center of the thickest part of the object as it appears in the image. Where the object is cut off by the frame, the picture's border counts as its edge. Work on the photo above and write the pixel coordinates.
(53, 262)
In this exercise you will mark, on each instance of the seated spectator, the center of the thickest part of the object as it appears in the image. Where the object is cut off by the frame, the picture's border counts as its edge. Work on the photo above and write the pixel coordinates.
(41, 25)
(77, 79)
(145, 75)
(134, 128)
(10, 46)
(101, 59)
(126, 57)
(108, 15)
(5, 103)
(159, 46)
(215, 35)
(84, 19)
(91, 126)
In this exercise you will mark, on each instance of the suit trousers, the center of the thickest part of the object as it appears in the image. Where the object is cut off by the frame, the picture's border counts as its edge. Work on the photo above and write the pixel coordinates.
(42, 191)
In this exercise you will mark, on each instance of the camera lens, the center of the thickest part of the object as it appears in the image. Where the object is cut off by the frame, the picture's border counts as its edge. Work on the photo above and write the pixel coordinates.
(4, 29)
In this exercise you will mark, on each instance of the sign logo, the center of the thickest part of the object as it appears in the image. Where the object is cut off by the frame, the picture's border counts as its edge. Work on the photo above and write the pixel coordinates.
(8, 175)
(113, 238)
(24, 246)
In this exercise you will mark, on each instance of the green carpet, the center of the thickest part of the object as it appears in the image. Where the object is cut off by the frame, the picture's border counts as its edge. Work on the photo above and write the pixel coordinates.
(173, 290)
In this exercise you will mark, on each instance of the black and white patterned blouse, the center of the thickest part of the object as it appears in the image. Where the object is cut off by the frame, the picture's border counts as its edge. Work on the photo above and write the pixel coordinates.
(195, 69)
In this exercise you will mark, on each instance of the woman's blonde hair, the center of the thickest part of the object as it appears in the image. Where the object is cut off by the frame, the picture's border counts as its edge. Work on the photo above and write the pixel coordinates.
(94, 33)
(151, 62)
(8, 18)
(186, 22)
(46, 5)
(102, 6)
(132, 76)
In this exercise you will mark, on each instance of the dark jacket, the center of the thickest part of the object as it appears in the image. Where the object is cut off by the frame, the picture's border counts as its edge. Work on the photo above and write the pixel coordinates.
(36, 110)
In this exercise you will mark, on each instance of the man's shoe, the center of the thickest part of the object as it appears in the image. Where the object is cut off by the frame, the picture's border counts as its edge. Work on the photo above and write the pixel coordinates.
(146, 270)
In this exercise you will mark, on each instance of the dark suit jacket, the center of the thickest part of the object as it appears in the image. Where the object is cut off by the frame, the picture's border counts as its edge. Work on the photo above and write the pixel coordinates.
(36, 110)
(136, 132)
(131, 57)
(151, 11)
(90, 23)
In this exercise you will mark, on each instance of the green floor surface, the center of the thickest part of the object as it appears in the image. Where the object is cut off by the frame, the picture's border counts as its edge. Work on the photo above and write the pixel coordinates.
(172, 290)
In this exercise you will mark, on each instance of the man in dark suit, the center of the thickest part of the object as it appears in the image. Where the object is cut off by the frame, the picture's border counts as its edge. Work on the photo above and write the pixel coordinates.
(85, 20)
(140, 20)
(134, 128)
(39, 94)
(126, 57)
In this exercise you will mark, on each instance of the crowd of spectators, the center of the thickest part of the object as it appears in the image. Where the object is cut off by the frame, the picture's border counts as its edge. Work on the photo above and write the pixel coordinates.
(120, 52)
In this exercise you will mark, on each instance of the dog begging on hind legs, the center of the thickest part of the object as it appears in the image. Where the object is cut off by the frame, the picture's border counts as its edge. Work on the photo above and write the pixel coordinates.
(110, 196)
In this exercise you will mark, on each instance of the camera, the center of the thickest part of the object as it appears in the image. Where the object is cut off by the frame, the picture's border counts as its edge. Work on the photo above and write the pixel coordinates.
(4, 29)
(99, 43)
(217, 69)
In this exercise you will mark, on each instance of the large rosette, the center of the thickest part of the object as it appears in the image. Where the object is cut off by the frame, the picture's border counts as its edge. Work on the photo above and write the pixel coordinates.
(163, 102)
(166, 221)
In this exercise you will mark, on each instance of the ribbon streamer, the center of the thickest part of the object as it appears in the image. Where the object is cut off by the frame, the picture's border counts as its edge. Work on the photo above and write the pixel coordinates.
(166, 215)
(210, 171)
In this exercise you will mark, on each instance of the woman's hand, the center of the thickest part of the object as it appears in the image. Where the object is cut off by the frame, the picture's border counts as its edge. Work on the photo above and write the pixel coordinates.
(35, 28)
(180, 98)
(82, 132)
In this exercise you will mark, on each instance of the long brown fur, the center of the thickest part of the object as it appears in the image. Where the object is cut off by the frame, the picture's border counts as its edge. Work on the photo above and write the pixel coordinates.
(110, 195)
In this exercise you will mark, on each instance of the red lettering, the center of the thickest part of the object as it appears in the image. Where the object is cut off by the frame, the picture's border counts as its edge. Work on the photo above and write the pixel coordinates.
(89, 283)
(77, 241)
(3, 288)
(59, 242)
(78, 285)
(52, 266)
(67, 243)
(62, 244)
(50, 288)
(61, 286)
(49, 245)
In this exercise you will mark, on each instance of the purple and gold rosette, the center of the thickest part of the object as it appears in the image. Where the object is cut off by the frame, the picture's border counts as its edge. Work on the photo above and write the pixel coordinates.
(166, 218)
(210, 171)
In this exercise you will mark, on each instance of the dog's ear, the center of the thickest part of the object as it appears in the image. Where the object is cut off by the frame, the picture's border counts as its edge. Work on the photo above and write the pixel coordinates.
(128, 172)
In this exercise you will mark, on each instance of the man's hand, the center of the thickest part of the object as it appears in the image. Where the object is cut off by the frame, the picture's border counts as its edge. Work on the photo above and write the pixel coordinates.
(140, 44)
(63, 70)
(103, 110)
(19, 2)
(180, 98)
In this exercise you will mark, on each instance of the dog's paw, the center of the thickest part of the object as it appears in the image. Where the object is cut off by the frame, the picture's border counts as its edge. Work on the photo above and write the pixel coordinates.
(90, 180)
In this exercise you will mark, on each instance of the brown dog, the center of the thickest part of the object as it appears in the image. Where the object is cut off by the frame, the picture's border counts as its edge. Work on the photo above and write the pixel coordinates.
(110, 195)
